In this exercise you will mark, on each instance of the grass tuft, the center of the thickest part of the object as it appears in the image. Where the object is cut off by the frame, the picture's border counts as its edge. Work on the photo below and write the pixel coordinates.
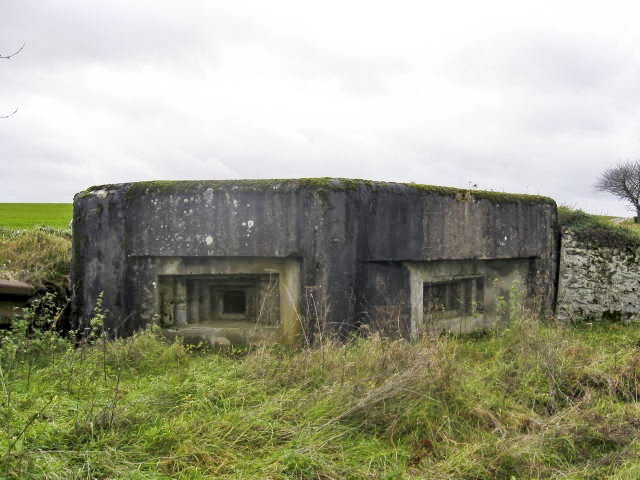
(40, 256)
(598, 231)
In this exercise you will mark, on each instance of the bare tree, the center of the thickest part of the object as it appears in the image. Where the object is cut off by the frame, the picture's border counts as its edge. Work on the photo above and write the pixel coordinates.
(9, 115)
(8, 57)
(624, 182)
(11, 55)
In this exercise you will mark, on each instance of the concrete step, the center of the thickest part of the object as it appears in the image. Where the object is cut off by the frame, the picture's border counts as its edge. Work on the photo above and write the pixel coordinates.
(225, 333)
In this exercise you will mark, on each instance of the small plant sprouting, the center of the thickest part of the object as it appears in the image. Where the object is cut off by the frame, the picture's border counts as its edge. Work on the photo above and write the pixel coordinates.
(510, 305)
(96, 323)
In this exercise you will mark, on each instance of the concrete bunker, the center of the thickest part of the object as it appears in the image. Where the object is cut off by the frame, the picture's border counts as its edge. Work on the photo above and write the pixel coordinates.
(275, 260)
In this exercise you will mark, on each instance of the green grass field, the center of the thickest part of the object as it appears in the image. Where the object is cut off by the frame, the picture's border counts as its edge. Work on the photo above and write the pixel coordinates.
(532, 401)
(28, 215)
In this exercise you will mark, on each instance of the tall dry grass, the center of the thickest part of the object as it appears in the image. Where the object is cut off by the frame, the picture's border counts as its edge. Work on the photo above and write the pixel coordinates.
(535, 400)
(39, 256)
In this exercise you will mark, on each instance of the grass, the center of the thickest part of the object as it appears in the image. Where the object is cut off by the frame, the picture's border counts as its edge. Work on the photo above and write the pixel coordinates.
(532, 401)
(632, 225)
(28, 215)
(598, 230)
(39, 256)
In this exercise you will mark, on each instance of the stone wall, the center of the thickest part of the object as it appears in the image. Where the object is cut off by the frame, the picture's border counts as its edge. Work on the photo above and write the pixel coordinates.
(597, 282)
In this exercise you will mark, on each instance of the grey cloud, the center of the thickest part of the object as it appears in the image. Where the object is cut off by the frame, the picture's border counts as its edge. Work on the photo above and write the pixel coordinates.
(579, 115)
(539, 60)
(559, 62)
(362, 74)
(551, 83)
(119, 32)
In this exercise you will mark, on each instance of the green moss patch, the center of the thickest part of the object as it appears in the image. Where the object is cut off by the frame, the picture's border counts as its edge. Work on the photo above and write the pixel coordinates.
(320, 184)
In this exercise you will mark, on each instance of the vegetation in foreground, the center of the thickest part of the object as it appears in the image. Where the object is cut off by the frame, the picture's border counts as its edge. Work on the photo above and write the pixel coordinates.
(39, 256)
(630, 224)
(29, 215)
(598, 230)
(536, 400)
(532, 401)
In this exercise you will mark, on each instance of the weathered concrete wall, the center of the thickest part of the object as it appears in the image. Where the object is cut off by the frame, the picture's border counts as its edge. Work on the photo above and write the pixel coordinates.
(359, 248)
(99, 259)
(463, 232)
(597, 282)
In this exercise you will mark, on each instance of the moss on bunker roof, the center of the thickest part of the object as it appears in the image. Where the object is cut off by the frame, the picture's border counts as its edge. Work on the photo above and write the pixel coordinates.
(322, 184)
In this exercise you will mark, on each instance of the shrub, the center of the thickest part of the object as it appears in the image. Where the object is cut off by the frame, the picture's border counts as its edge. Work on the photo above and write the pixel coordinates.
(596, 231)
(40, 257)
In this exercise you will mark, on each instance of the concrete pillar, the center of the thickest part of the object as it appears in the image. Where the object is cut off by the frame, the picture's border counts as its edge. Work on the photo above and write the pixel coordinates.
(167, 300)
(180, 302)
(205, 303)
(194, 301)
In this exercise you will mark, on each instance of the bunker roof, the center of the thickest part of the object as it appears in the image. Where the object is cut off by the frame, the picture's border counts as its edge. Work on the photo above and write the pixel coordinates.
(321, 184)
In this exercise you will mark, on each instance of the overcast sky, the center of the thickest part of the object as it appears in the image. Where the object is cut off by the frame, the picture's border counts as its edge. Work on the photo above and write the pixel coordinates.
(527, 97)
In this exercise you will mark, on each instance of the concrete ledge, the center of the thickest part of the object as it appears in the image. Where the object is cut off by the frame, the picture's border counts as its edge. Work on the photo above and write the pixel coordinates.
(15, 288)
(245, 333)
(13, 294)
